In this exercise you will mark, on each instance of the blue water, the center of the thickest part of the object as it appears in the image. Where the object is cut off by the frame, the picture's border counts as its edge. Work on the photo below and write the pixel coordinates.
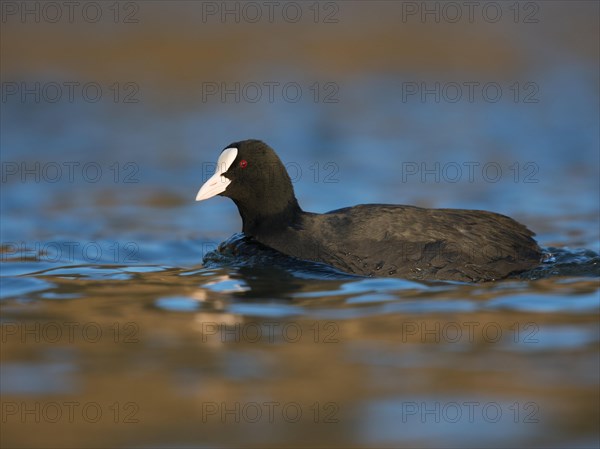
(118, 288)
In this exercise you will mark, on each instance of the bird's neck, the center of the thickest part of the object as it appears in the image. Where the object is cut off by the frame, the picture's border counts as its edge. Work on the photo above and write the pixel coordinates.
(271, 219)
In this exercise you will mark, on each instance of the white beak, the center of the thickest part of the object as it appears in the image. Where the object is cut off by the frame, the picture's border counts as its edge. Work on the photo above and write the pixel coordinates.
(217, 183)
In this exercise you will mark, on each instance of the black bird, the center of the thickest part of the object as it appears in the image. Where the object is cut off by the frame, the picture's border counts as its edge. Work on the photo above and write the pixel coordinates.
(368, 239)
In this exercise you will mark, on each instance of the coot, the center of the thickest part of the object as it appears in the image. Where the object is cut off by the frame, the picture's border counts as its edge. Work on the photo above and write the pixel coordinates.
(368, 239)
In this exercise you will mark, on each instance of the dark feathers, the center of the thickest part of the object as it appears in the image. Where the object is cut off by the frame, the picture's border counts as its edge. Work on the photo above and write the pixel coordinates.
(375, 239)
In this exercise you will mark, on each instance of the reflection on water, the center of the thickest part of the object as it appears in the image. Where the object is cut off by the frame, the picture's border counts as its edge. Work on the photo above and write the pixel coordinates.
(105, 351)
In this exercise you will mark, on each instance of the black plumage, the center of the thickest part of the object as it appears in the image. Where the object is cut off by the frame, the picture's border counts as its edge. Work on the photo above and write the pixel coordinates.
(373, 239)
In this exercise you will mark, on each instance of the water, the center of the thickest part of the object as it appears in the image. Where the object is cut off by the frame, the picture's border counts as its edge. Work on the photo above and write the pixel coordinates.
(132, 316)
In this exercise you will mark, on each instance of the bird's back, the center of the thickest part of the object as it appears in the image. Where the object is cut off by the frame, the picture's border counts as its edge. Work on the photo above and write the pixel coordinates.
(413, 242)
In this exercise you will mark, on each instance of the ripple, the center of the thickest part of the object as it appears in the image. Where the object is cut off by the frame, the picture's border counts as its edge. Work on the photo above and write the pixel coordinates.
(547, 303)
(177, 304)
(13, 287)
(566, 262)
(37, 378)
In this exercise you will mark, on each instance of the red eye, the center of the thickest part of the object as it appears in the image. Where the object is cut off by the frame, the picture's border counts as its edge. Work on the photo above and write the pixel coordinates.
(243, 163)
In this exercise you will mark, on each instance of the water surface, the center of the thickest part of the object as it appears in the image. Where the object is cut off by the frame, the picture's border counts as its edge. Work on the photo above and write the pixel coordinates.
(124, 325)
